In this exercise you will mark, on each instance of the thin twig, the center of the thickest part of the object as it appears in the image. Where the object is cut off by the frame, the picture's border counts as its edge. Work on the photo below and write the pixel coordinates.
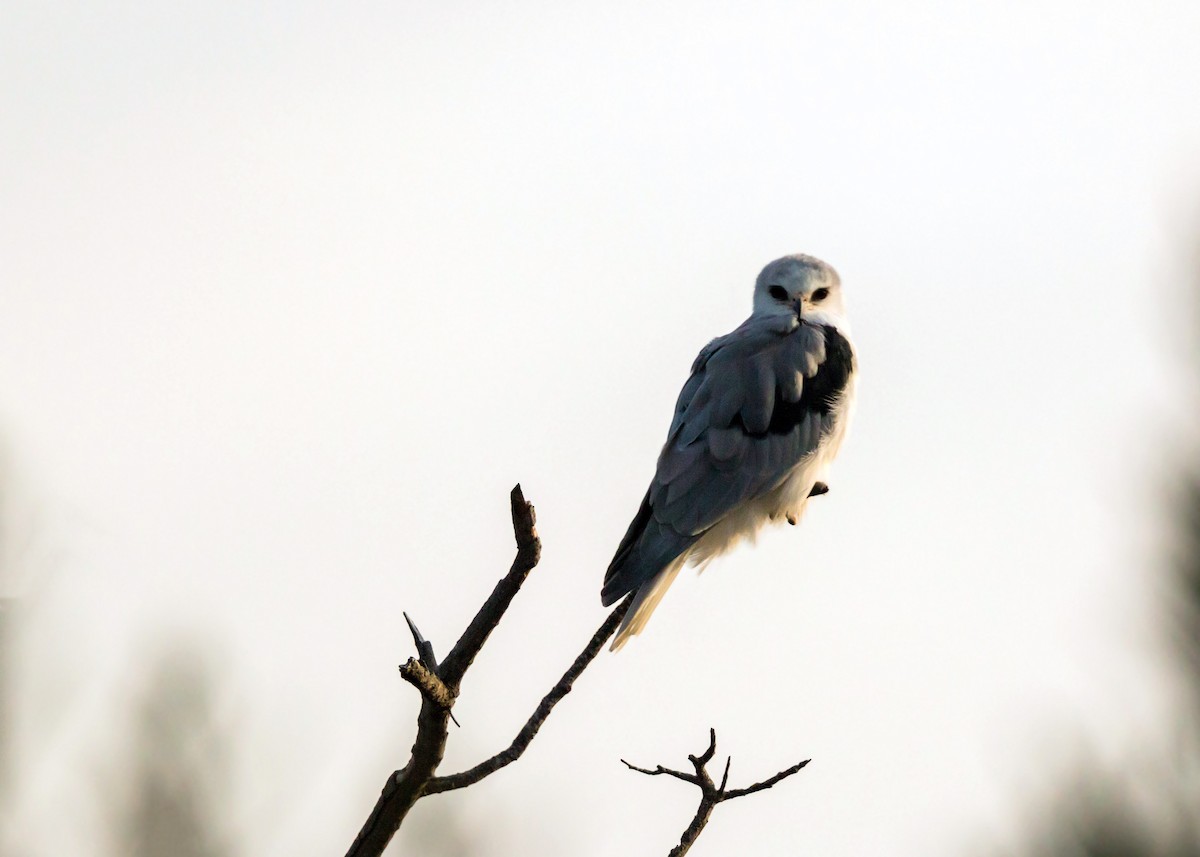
(659, 769)
(424, 647)
(704, 758)
(767, 783)
(710, 793)
(531, 727)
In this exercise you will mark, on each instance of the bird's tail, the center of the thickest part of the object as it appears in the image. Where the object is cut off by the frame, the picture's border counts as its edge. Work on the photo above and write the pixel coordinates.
(645, 600)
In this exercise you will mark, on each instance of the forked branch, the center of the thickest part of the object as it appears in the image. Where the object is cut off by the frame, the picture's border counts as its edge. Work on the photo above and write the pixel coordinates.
(711, 794)
(439, 686)
(531, 727)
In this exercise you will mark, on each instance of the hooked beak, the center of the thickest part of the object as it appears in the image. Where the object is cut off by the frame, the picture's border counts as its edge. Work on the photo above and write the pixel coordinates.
(798, 304)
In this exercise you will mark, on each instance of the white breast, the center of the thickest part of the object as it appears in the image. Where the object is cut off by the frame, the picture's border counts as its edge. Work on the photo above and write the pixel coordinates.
(786, 501)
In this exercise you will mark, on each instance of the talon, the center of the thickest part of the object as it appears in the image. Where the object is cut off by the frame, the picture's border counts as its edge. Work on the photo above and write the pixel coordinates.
(791, 518)
(818, 489)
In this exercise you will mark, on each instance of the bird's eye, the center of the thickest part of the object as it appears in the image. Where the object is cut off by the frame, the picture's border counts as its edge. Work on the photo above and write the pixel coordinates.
(820, 295)
(778, 292)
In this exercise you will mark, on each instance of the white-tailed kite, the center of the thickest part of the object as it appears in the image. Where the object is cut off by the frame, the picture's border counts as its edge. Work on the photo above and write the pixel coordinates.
(755, 429)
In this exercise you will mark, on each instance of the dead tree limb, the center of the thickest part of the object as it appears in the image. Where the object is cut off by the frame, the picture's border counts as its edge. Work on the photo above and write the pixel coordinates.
(711, 794)
(531, 727)
(439, 686)
(425, 680)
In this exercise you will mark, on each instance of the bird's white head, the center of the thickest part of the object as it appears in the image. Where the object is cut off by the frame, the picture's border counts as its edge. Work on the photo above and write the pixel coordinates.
(801, 288)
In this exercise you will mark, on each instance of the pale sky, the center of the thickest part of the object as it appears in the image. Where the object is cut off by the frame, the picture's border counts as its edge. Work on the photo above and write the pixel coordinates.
(291, 296)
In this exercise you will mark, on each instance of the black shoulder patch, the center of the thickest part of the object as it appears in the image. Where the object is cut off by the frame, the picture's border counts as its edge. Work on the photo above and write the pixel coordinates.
(822, 390)
(819, 392)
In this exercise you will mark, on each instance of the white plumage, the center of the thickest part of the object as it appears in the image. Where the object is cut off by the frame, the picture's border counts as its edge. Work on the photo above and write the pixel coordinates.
(756, 426)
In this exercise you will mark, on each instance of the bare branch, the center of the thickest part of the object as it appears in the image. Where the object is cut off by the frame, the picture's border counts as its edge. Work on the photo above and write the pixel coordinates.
(531, 727)
(529, 551)
(659, 769)
(439, 686)
(418, 675)
(424, 647)
(710, 793)
(429, 661)
(705, 757)
(765, 784)
(404, 787)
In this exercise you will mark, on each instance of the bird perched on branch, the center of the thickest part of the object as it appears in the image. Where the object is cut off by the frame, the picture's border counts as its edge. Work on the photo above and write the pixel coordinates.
(755, 428)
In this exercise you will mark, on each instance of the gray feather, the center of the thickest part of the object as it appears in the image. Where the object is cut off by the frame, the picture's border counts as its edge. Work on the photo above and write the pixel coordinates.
(723, 448)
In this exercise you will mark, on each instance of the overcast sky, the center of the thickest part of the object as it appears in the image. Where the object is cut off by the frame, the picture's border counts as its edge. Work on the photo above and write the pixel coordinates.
(292, 295)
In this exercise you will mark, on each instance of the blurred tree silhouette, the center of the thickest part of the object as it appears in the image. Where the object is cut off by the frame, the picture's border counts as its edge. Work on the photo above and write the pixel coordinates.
(1186, 590)
(1105, 813)
(178, 798)
(6, 738)
(8, 615)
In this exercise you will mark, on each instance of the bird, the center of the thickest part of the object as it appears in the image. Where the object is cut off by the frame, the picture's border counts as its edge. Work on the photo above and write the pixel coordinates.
(754, 431)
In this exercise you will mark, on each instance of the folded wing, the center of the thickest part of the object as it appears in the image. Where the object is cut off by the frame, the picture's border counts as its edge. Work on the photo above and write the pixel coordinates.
(757, 403)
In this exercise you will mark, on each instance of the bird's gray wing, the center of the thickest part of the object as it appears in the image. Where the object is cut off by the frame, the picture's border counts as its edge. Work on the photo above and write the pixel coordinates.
(756, 404)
